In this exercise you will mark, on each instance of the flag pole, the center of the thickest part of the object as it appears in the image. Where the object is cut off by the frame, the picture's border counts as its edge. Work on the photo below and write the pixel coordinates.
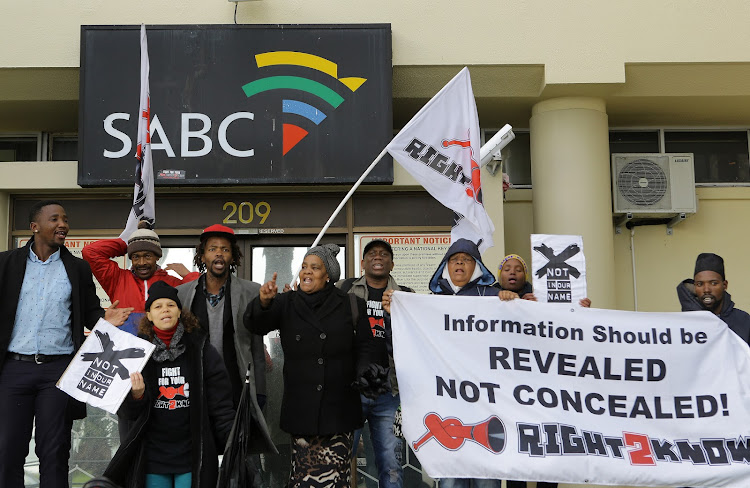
(341, 205)
(348, 195)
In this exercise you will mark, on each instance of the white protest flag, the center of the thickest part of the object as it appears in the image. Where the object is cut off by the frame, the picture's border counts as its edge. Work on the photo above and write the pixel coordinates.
(550, 392)
(440, 148)
(143, 194)
(558, 268)
(99, 373)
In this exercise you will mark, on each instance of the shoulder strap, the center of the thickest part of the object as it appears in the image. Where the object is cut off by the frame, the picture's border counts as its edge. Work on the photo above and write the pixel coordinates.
(347, 285)
(355, 310)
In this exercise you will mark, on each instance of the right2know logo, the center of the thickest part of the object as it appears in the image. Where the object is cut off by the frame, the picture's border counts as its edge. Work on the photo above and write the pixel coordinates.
(452, 433)
(540, 440)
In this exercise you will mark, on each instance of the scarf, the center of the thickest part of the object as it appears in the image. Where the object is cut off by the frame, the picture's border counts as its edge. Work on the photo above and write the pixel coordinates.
(315, 299)
(176, 347)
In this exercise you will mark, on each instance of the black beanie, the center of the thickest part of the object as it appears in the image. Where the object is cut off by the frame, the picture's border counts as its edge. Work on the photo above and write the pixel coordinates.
(162, 290)
(708, 261)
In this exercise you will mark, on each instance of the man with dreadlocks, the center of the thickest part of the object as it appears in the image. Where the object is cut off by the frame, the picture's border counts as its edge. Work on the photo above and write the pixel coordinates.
(219, 301)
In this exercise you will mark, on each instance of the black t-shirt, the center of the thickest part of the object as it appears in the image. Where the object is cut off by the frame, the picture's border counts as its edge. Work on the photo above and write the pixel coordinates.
(168, 431)
(375, 314)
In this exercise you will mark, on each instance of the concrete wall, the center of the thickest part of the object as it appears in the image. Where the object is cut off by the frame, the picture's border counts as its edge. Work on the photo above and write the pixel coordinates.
(585, 41)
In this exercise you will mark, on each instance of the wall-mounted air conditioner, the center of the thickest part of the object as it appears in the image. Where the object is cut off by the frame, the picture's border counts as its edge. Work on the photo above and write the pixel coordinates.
(653, 185)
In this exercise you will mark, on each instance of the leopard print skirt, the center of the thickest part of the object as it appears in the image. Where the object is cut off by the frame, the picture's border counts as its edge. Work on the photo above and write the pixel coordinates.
(321, 461)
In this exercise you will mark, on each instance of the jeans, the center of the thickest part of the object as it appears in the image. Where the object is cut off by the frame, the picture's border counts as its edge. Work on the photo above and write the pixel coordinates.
(387, 447)
(468, 483)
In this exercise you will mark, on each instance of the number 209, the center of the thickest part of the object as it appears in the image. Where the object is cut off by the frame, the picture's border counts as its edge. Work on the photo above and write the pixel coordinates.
(245, 212)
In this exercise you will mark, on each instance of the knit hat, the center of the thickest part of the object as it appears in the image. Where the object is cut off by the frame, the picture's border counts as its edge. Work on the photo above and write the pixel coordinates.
(218, 230)
(144, 239)
(708, 261)
(515, 256)
(377, 242)
(327, 253)
(162, 290)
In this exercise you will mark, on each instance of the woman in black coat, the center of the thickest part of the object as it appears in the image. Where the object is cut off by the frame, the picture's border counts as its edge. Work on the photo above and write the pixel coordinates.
(325, 350)
(182, 403)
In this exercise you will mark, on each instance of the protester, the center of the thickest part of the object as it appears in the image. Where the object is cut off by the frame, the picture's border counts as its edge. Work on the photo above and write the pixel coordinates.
(461, 272)
(47, 297)
(220, 300)
(327, 342)
(380, 412)
(708, 291)
(131, 286)
(181, 404)
(514, 284)
(514, 281)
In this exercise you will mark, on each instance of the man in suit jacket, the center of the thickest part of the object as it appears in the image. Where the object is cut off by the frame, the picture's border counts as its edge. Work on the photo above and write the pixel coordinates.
(219, 301)
(47, 297)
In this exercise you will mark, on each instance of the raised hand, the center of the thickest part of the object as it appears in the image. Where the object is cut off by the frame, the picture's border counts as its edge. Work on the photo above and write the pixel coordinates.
(117, 316)
(268, 291)
(178, 268)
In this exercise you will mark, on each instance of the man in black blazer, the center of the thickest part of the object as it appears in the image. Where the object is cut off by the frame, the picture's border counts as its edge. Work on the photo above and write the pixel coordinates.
(47, 297)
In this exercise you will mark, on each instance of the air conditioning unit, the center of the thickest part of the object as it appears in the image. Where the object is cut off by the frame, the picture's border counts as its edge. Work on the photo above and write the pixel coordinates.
(653, 185)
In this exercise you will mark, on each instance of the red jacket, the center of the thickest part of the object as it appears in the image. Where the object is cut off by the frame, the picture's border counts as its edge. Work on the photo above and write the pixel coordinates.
(122, 284)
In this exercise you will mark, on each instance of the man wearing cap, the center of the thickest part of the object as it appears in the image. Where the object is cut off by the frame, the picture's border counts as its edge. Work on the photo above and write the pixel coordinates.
(219, 300)
(47, 298)
(708, 291)
(377, 263)
(131, 286)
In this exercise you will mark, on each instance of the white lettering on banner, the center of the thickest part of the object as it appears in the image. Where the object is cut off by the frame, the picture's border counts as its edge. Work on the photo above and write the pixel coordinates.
(521, 389)
(186, 134)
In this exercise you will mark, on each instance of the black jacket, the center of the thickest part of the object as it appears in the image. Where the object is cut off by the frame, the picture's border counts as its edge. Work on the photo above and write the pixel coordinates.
(322, 358)
(211, 417)
(85, 305)
(737, 320)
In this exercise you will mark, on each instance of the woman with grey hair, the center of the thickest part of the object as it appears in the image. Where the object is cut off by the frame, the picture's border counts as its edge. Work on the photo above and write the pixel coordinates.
(327, 345)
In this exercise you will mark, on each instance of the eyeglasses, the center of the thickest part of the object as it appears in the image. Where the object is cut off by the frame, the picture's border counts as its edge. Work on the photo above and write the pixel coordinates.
(463, 259)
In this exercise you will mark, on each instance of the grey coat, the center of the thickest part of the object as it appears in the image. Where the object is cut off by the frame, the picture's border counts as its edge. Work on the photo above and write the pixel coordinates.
(248, 347)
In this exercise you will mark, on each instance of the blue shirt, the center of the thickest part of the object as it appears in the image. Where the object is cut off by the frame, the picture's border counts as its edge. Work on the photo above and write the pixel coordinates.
(42, 323)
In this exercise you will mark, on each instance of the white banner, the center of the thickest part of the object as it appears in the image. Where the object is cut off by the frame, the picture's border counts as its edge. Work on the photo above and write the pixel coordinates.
(440, 148)
(558, 268)
(143, 193)
(99, 374)
(534, 391)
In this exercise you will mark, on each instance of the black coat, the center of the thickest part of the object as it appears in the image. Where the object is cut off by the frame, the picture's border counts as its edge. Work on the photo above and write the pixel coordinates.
(211, 417)
(737, 320)
(85, 305)
(322, 357)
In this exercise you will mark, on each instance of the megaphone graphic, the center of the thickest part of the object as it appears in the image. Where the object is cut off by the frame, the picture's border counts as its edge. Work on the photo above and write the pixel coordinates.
(451, 433)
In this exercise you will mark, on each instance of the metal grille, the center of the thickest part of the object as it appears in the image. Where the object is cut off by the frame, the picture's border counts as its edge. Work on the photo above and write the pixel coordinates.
(642, 182)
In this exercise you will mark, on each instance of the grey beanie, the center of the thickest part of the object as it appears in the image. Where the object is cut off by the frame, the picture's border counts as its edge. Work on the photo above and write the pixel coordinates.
(327, 253)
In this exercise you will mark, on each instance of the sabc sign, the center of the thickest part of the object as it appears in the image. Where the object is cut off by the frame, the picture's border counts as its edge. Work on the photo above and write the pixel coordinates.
(238, 104)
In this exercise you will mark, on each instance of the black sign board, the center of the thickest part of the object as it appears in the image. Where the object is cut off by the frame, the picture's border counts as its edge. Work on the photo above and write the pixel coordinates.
(238, 104)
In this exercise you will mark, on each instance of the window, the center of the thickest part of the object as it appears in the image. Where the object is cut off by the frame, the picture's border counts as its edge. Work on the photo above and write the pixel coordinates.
(19, 148)
(634, 141)
(63, 148)
(719, 157)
